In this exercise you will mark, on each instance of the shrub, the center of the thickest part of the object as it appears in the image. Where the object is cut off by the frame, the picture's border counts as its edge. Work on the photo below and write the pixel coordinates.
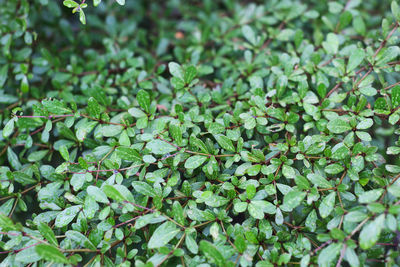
(199, 133)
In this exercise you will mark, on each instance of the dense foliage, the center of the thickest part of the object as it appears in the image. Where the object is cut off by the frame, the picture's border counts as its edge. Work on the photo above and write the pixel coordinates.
(199, 133)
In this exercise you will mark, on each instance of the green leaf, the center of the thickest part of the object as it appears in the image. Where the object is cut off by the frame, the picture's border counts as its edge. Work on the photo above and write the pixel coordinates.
(128, 154)
(240, 243)
(352, 257)
(365, 124)
(387, 54)
(37, 155)
(64, 153)
(13, 159)
(176, 133)
(318, 180)
(6, 223)
(334, 168)
(249, 34)
(107, 131)
(331, 45)
(121, 2)
(160, 147)
(143, 98)
(392, 168)
(395, 94)
(293, 199)
(225, 142)
(70, 3)
(338, 126)
(212, 253)
(370, 196)
(144, 188)
(97, 194)
(163, 234)
(359, 25)
(177, 83)
(288, 171)
(370, 233)
(255, 211)
(195, 161)
(55, 106)
(93, 107)
(8, 128)
(251, 191)
(395, 10)
(3, 75)
(191, 244)
(364, 136)
(47, 233)
(176, 70)
(355, 216)
(344, 19)
(96, 2)
(23, 178)
(80, 239)
(329, 254)
(327, 205)
(29, 254)
(51, 254)
(82, 16)
(190, 74)
(113, 193)
(355, 59)
(67, 215)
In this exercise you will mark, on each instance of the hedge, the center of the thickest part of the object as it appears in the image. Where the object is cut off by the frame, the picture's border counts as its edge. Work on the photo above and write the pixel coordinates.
(199, 133)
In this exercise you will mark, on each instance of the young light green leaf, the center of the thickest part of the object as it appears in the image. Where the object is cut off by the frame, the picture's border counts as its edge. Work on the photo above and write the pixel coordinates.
(82, 16)
(70, 3)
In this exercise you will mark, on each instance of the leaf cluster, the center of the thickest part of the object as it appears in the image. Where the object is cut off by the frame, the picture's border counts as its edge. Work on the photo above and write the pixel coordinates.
(199, 133)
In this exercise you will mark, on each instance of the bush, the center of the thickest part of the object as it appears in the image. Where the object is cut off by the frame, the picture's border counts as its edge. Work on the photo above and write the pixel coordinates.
(199, 133)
